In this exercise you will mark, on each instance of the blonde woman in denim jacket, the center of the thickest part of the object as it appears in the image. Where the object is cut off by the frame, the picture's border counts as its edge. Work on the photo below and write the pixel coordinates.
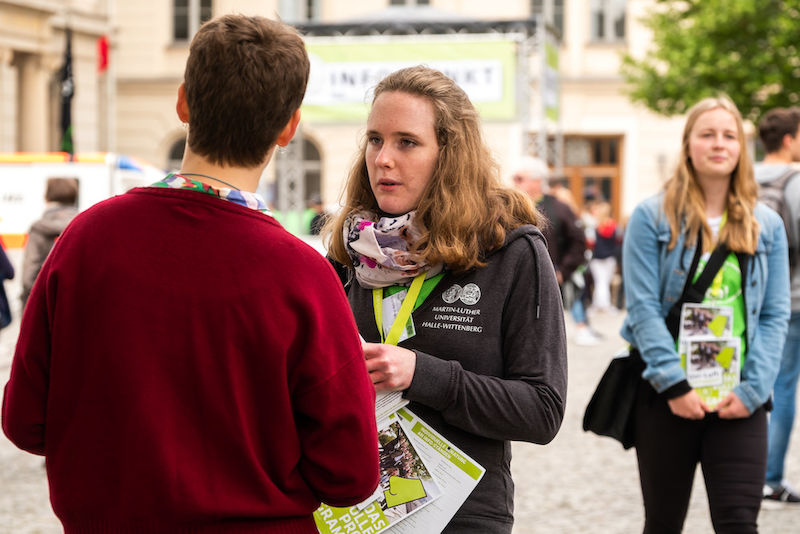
(712, 193)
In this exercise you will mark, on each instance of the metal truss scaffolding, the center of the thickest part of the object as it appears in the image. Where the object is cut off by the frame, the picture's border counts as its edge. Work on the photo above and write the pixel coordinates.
(540, 134)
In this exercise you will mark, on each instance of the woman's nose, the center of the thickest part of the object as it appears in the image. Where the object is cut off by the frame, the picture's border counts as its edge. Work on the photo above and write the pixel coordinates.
(384, 159)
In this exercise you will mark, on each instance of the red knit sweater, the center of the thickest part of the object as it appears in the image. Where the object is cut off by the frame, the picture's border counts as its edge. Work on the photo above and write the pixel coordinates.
(186, 365)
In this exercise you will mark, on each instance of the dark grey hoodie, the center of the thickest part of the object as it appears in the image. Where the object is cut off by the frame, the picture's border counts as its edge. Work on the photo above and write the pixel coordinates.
(491, 366)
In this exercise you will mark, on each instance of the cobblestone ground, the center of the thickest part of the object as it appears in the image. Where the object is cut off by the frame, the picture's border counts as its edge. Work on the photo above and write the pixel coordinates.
(585, 483)
(580, 483)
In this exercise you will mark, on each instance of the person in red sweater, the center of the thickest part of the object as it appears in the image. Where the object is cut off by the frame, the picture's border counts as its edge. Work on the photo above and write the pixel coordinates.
(185, 364)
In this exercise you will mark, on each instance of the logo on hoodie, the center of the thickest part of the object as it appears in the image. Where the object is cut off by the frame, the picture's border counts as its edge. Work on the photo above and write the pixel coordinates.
(469, 294)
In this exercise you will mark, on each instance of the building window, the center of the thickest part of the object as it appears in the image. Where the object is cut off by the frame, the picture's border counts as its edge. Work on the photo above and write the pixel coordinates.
(188, 16)
(608, 20)
(537, 8)
(303, 11)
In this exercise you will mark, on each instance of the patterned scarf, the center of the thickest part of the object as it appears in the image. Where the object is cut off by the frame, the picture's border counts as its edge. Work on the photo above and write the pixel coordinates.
(243, 198)
(379, 250)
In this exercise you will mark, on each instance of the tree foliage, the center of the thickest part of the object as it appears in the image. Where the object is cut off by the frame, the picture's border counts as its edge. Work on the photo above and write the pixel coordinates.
(747, 49)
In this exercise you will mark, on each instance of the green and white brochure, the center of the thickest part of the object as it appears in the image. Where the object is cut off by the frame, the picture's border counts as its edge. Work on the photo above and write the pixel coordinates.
(424, 480)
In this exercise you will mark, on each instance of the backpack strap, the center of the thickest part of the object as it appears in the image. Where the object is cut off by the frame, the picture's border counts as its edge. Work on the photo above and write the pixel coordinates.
(787, 212)
(792, 231)
(784, 178)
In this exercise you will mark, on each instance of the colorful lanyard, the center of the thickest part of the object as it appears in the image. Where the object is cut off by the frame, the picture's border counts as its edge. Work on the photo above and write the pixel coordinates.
(716, 284)
(402, 316)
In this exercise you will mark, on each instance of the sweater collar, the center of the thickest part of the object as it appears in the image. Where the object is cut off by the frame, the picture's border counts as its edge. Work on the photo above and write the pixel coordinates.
(243, 198)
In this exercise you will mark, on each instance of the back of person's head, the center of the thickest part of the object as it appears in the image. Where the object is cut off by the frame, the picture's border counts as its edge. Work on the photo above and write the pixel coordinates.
(244, 79)
(775, 125)
(62, 190)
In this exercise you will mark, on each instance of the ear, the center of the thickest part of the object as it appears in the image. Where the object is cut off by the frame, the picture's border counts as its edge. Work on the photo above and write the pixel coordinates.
(788, 139)
(288, 131)
(181, 107)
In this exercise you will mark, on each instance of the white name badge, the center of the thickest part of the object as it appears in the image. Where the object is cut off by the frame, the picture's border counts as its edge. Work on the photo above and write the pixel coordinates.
(391, 307)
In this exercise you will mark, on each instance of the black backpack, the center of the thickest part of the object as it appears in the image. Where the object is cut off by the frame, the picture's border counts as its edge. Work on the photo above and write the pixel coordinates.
(773, 194)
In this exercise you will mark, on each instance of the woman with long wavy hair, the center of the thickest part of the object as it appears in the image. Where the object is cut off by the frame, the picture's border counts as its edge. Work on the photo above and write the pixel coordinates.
(706, 388)
(482, 357)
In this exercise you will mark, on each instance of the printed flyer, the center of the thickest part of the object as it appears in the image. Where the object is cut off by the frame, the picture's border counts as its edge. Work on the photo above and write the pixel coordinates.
(457, 473)
(405, 487)
(712, 367)
(710, 353)
(704, 320)
(424, 481)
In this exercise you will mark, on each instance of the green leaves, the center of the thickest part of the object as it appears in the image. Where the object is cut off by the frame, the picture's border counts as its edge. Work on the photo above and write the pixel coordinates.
(747, 49)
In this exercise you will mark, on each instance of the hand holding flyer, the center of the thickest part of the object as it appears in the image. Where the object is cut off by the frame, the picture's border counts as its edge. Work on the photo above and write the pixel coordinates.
(710, 353)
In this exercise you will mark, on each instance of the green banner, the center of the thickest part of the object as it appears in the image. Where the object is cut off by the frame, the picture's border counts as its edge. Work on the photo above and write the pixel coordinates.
(343, 74)
(551, 89)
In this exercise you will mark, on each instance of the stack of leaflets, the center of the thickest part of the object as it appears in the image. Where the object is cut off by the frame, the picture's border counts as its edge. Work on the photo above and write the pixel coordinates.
(710, 353)
(424, 479)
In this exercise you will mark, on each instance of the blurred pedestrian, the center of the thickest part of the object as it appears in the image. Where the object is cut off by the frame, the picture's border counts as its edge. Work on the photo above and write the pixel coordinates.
(566, 243)
(315, 215)
(172, 365)
(565, 240)
(605, 250)
(710, 199)
(580, 284)
(483, 357)
(61, 197)
(6, 273)
(779, 131)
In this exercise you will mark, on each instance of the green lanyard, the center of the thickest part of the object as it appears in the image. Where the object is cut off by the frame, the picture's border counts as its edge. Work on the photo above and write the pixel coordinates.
(716, 284)
(402, 316)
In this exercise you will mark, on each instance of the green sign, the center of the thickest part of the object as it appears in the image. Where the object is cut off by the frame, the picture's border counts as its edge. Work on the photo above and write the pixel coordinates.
(344, 73)
(551, 89)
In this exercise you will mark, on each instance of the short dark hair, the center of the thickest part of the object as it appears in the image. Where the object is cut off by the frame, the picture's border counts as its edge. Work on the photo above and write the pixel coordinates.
(61, 190)
(775, 124)
(245, 77)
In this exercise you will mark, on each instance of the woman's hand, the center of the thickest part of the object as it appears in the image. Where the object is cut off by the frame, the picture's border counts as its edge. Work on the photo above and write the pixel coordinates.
(731, 407)
(688, 406)
(391, 368)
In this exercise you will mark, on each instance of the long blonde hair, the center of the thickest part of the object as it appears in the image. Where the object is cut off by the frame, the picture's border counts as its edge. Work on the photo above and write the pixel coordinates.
(684, 200)
(465, 209)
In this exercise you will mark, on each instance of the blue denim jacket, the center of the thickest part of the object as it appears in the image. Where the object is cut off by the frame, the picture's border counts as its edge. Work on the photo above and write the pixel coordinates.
(654, 278)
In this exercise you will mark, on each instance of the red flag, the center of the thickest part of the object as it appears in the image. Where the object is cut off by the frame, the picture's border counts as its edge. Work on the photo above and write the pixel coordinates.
(102, 53)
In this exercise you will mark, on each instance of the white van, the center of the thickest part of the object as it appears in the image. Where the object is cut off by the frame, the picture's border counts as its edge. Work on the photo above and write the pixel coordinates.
(23, 176)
